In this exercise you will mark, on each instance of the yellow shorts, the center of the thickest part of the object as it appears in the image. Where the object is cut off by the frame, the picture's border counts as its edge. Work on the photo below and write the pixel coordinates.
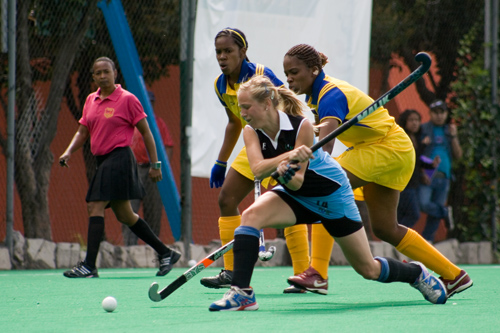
(388, 162)
(358, 194)
(242, 165)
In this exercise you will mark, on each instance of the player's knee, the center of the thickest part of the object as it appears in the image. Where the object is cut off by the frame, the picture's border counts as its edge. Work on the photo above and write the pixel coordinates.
(95, 208)
(250, 218)
(227, 202)
(380, 232)
(389, 235)
(126, 218)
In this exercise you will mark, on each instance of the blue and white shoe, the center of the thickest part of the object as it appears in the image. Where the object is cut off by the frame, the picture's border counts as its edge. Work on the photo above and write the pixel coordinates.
(236, 299)
(430, 286)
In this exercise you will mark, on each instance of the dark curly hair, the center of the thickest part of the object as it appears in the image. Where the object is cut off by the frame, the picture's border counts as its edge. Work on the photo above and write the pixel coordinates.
(308, 55)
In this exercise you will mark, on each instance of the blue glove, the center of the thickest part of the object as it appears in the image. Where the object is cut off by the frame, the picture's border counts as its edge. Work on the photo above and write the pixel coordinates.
(289, 173)
(218, 174)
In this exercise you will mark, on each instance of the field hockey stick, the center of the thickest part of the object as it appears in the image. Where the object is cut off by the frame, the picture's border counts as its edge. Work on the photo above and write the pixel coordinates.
(263, 254)
(422, 57)
(156, 296)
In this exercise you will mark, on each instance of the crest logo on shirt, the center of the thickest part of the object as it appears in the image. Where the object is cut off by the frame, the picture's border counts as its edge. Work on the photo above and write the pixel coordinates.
(288, 147)
(108, 112)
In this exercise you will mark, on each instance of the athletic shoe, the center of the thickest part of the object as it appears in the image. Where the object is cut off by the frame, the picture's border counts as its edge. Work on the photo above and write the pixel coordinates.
(310, 280)
(236, 299)
(293, 290)
(458, 284)
(221, 280)
(81, 270)
(167, 261)
(449, 222)
(431, 287)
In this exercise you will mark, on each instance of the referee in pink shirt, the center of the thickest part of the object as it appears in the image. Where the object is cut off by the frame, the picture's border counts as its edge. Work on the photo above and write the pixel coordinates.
(109, 118)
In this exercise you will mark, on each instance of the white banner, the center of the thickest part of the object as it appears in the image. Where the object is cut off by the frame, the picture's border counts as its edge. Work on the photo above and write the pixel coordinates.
(340, 29)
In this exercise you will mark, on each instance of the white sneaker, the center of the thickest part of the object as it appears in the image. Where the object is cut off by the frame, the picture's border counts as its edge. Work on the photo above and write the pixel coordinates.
(236, 299)
(430, 286)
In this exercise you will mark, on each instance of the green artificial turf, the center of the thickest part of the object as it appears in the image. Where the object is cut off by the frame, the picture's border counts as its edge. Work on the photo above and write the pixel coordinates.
(45, 301)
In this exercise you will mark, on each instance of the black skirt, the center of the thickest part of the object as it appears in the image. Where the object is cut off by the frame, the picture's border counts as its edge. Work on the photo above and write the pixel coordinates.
(116, 177)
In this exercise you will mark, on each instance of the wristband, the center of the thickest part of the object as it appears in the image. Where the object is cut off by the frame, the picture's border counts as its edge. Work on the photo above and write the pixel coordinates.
(156, 165)
(222, 164)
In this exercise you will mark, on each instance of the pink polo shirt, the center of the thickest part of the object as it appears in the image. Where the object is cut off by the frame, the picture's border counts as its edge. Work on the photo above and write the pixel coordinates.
(111, 122)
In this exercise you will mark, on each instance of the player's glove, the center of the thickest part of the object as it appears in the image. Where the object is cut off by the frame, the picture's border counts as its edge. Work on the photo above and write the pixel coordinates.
(218, 174)
(289, 173)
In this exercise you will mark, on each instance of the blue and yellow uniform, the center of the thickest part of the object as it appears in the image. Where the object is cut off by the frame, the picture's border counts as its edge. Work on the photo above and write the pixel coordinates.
(379, 151)
(228, 98)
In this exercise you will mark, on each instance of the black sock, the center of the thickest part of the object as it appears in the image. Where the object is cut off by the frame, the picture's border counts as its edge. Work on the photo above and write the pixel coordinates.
(402, 272)
(144, 232)
(94, 238)
(246, 252)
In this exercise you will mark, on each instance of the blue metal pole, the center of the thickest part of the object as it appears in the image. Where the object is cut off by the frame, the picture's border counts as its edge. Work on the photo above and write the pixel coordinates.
(131, 68)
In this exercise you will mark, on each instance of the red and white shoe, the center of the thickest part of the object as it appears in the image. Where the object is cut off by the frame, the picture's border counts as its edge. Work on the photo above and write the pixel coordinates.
(458, 284)
(310, 280)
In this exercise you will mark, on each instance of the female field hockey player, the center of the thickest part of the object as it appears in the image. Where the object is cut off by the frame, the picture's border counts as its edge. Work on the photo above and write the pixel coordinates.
(380, 158)
(231, 47)
(109, 118)
(315, 190)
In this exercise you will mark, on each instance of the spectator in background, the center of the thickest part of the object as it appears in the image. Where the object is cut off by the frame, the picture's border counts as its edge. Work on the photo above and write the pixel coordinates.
(408, 207)
(441, 137)
(151, 202)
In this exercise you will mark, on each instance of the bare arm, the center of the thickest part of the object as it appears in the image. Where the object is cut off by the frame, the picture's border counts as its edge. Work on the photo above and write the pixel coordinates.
(327, 126)
(263, 168)
(149, 142)
(81, 135)
(301, 153)
(233, 131)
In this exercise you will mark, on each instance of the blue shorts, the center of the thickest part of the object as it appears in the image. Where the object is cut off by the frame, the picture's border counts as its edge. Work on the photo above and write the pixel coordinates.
(342, 220)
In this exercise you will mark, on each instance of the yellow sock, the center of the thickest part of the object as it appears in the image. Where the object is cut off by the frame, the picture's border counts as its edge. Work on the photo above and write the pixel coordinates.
(321, 249)
(298, 245)
(417, 248)
(227, 225)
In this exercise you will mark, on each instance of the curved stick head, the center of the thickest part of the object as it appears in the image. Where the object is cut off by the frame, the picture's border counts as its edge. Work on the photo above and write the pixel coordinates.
(267, 255)
(425, 59)
(263, 256)
(153, 292)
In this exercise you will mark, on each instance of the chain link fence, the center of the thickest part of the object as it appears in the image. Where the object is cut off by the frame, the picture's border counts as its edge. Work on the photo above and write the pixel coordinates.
(57, 42)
